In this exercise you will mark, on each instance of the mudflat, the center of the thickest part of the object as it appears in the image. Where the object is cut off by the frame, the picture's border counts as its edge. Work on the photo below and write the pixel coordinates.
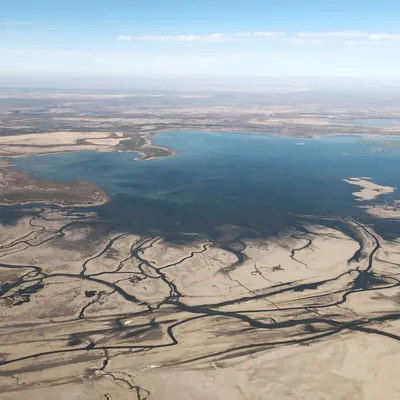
(113, 315)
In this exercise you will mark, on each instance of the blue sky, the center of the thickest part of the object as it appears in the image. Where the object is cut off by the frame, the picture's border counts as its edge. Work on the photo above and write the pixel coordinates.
(287, 38)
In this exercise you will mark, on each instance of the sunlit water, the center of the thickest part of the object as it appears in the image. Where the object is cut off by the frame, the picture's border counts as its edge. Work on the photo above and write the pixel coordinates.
(261, 181)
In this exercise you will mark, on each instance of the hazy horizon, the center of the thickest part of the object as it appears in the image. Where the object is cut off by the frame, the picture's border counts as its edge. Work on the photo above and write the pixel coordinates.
(193, 83)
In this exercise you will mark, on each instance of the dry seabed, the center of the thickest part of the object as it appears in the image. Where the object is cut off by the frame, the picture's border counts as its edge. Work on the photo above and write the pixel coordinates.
(310, 313)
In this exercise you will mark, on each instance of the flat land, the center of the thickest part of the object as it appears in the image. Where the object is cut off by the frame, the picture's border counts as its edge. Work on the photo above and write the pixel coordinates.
(115, 315)
(292, 112)
(93, 312)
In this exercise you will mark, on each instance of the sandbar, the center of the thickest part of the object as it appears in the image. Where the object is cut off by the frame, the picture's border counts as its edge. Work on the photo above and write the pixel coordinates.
(370, 190)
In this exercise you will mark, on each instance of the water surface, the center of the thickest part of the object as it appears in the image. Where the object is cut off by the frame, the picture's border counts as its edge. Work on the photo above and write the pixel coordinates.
(262, 181)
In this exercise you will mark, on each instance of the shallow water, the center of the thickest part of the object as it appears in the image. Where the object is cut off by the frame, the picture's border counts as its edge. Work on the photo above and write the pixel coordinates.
(262, 181)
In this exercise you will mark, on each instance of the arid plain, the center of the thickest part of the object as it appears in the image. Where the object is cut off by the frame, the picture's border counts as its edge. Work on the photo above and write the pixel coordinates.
(93, 311)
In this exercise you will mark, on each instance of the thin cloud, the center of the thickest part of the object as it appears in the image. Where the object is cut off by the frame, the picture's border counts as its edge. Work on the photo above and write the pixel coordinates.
(352, 37)
(384, 37)
(344, 37)
(338, 34)
(306, 41)
(267, 34)
(367, 42)
(163, 38)
(212, 37)
(122, 37)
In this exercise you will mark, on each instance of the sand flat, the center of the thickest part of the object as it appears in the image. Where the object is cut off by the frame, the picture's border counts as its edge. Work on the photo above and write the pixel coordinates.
(369, 190)
(385, 211)
(94, 313)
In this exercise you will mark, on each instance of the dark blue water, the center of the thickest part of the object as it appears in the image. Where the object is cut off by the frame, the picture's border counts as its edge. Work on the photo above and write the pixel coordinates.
(219, 178)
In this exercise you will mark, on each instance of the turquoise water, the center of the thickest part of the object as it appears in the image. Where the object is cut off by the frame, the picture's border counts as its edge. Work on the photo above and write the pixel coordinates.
(261, 181)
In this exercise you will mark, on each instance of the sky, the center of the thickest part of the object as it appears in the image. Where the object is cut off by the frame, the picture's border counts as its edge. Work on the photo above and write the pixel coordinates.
(210, 38)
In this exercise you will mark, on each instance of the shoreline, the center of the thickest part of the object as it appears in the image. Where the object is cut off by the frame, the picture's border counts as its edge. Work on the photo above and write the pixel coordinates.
(321, 136)
(149, 143)
(285, 136)
(146, 151)
(21, 188)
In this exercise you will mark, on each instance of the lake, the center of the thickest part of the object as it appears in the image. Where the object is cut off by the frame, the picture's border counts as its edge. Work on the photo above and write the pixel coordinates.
(260, 181)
